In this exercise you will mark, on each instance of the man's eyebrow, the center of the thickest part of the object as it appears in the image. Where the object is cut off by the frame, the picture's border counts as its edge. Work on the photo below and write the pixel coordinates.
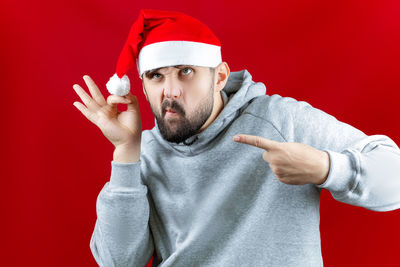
(176, 66)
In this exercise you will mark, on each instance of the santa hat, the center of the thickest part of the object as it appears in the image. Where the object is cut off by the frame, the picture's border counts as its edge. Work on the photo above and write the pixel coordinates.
(161, 38)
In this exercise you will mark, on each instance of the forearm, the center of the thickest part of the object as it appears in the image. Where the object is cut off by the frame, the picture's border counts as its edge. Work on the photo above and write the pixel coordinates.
(122, 236)
(367, 174)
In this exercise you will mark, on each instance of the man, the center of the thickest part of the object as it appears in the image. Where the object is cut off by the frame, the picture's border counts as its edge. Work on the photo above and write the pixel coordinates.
(188, 192)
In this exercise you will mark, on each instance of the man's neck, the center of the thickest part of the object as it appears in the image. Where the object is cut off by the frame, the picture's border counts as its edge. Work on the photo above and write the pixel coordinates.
(217, 108)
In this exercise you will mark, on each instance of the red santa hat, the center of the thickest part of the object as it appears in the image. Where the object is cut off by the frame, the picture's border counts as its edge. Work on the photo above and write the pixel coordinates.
(161, 38)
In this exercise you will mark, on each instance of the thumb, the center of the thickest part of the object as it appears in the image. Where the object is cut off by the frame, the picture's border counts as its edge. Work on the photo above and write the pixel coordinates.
(265, 156)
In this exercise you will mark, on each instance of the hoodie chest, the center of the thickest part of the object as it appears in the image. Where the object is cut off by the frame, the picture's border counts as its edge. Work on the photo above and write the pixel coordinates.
(223, 181)
(226, 161)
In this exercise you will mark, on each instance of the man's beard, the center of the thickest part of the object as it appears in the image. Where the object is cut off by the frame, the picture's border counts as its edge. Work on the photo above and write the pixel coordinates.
(178, 128)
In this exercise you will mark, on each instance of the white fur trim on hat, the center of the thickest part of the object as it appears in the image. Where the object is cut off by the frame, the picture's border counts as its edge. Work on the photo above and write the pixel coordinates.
(170, 53)
(118, 86)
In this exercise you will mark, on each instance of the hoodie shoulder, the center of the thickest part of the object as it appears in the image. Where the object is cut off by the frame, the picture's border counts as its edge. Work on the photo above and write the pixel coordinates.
(265, 103)
(278, 111)
(298, 121)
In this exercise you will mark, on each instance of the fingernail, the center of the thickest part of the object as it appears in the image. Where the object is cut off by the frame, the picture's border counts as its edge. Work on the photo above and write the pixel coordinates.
(236, 138)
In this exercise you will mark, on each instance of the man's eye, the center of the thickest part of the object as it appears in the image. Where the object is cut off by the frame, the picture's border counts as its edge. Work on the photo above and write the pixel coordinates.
(156, 75)
(186, 71)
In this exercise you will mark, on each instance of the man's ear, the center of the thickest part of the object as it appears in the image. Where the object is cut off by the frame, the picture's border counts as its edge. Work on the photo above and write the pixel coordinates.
(222, 74)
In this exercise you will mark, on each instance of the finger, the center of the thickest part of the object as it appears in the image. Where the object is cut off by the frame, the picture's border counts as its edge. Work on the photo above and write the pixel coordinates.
(134, 104)
(94, 90)
(83, 96)
(265, 156)
(113, 100)
(86, 112)
(256, 141)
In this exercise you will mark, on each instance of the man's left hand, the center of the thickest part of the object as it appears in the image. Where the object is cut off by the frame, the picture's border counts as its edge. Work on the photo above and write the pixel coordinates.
(292, 163)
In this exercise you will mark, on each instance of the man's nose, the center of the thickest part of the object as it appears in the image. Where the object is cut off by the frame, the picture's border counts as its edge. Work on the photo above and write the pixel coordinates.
(172, 89)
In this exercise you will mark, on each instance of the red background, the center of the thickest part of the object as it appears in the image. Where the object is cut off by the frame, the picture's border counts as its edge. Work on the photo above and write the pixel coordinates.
(340, 56)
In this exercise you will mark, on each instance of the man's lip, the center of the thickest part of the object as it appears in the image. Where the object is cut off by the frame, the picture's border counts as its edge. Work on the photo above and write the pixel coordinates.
(170, 110)
(170, 113)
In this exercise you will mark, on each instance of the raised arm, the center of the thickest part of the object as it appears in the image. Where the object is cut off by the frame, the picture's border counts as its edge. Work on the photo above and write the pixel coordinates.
(121, 236)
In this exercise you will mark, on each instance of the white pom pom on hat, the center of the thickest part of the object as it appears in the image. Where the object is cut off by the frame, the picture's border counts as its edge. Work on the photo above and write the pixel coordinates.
(161, 38)
(118, 86)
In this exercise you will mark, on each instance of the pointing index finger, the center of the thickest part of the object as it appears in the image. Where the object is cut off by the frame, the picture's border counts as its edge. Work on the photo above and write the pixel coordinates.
(256, 141)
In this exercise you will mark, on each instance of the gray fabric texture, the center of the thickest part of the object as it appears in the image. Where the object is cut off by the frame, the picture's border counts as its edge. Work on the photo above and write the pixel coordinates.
(217, 202)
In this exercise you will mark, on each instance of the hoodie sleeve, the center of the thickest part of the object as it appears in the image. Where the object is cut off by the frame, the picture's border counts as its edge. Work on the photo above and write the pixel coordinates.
(364, 170)
(121, 235)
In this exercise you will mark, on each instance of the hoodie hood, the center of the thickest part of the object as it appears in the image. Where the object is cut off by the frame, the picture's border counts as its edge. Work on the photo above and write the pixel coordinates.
(238, 92)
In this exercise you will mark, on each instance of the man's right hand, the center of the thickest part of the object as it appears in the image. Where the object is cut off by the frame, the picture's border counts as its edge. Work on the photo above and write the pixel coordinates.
(123, 129)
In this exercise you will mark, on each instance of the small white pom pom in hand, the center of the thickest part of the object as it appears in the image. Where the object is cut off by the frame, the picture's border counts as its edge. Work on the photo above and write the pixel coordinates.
(118, 86)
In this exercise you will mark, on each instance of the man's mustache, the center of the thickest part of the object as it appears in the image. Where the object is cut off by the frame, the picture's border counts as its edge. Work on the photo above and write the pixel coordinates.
(172, 105)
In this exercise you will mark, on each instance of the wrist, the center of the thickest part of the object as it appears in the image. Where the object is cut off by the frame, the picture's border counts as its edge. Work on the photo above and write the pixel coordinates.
(126, 153)
(325, 167)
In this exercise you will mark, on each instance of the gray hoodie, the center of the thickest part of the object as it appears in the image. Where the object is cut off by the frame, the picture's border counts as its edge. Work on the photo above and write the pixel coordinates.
(217, 202)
